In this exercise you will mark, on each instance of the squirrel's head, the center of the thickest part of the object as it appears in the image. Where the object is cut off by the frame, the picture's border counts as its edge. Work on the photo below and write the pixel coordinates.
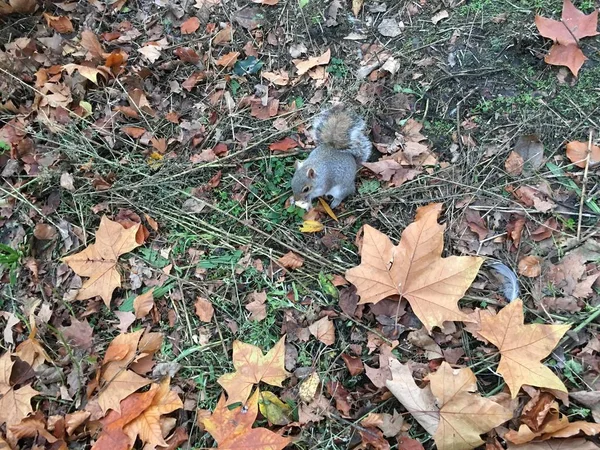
(303, 184)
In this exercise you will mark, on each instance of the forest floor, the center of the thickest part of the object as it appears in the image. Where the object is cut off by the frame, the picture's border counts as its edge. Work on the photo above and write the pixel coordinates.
(136, 111)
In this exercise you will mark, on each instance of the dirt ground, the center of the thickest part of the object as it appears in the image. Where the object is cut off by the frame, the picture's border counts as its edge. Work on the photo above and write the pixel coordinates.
(173, 136)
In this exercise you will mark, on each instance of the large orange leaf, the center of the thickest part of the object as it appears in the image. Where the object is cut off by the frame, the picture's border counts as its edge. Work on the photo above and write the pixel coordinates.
(522, 347)
(415, 270)
(251, 367)
(99, 260)
(465, 415)
(147, 425)
(232, 429)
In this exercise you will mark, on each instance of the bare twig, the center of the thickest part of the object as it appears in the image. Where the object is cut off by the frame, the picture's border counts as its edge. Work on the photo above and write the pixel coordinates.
(584, 183)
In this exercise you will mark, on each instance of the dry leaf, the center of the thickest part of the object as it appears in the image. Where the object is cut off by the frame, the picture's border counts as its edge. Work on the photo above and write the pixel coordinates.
(143, 303)
(284, 145)
(251, 367)
(464, 414)
(530, 266)
(291, 261)
(356, 6)
(228, 60)
(99, 260)
(281, 78)
(232, 428)
(304, 66)
(323, 330)
(61, 24)
(311, 226)
(577, 154)
(15, 404)
(204, 309)
(327, 209)
(556, 444)
(570, 56)
(415, 270)
(257, 306)
(522, 347)
(190, 25)
(514, 164)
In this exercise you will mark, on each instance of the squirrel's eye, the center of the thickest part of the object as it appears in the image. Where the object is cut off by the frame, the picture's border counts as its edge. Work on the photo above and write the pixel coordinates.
(306, 189)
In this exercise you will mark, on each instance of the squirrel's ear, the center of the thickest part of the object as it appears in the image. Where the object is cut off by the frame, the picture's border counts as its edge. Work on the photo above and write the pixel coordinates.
(298, 164)
(310, 173)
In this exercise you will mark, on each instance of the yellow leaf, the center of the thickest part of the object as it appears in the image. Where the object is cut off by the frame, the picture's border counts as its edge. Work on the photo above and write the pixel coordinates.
(522, 347)
(327, 209)
(415, 270)
(311, 226)
(251, 367)
(356, 6)
(87, 107)
(99, 260)
(323, 330)
(276, 412)
(308, 388)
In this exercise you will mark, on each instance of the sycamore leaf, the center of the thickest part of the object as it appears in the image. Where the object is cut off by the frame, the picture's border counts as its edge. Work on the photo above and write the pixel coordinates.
(31, 350)
(61, 24)
(119, 381)
(251, 367)
(99, 260)
(90, 73)
(415, 270)
(464, 414)
(232, 428)
(522, 347)
(573, 25)
(15, 404)
(143, 303)
(570, 56)
(147, 425)
(556, 444)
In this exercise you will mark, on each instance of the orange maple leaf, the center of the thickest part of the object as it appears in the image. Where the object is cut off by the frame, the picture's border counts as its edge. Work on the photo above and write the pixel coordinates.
(252, 368)
(566, 33)
(147, 425)
(232, 429)
(415, 270)
(522, 347)
(99, 260)
(464, 414)
(119, 381)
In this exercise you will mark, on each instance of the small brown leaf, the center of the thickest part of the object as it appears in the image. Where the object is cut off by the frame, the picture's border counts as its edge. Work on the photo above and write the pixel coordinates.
(190, 25)
(228, 60)
(134, 132)
(45, 232)
(143, 303)
(61, 24)
(204, 309)
(514, 164)
(577, 154)
(323, 330)
(284, 145)
(291, 261)
(530, 266)
(224, 36)
(570, 56)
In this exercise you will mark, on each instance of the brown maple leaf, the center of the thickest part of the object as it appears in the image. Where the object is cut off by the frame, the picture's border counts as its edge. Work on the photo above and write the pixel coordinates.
(522, 347)
(566, 33)
(99, 260)
(232, 428)
(415, 270)
(464, 414)
(251, 367)
(148, 424)
(15, 404)
(118, 381)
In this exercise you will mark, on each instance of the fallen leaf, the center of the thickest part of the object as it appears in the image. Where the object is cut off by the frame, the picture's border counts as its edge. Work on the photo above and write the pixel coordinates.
(531, 149)
(514, 164)
(190, 25)
(328, 209)
(522, 347)
(392, 171)
(354, 364)
(284, 145)
(257, 306)
(415, 270)
(223, 36)
(15, 404)
(151, 52)
(570, 56)
(204, 309)
(61, 24)
(323, 330)
(577, 154)
(228, 60)
(556, 444)
(311, 226)
(356, 6)
(232, 428)
(530, 266)
(439, 16)
(464, 414)
(390, 28)
(291, 261)
(143, 303)
(90, 73)
(591, 399)
(303, 66)
(281, 78)
(251, 367)
(273, 409)
(573, 25)
(99, 261)
(420, 403)
(134, 132)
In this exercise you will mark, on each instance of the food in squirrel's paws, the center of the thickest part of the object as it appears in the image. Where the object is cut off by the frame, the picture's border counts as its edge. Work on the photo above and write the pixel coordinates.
(330, 169)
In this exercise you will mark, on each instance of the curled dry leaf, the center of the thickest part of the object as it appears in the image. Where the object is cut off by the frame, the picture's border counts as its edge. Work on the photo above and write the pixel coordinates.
(323, 330)
(530, 266)
(204, 309)
(61, 24)
(143, 303)
(415, 270)
(304, 66)
(522, 347)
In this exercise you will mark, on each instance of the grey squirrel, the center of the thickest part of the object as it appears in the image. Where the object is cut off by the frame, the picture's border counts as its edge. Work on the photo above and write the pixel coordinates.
(330, 169)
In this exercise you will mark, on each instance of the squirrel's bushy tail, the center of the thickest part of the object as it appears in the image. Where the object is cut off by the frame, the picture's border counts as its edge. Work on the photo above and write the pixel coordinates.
(340, 128)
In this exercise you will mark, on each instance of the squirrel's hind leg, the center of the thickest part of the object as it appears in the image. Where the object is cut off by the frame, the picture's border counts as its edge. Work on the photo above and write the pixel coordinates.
(339, 193)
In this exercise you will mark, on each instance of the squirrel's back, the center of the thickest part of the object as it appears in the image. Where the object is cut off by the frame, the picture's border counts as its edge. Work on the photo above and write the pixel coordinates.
(341, 129)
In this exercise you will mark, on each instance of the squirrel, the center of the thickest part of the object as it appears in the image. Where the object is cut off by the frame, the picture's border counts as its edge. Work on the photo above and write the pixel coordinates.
(330, 169)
